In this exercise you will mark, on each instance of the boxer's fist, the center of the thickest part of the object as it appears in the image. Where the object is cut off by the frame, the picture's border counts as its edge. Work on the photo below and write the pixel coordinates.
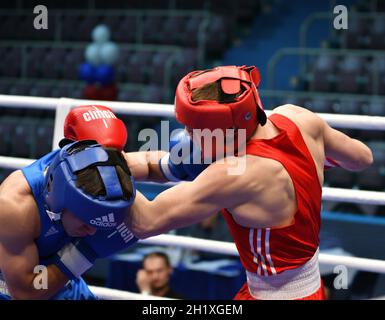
(178, 165)
(98, 123)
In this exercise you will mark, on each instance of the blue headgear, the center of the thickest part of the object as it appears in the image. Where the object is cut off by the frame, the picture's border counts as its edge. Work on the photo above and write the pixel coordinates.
(102, 212)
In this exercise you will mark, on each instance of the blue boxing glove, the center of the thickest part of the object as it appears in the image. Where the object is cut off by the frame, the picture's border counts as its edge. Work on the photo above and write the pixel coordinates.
(78, 256)
(183, 162)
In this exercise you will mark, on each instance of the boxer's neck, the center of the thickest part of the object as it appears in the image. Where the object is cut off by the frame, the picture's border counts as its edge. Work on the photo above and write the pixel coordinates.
(268, 131)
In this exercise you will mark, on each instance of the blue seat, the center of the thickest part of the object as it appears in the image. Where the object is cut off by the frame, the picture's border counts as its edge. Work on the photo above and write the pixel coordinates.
(324, 68)
(319, 106)
(22, 138)
(371, 178)
(348, 73)
(43, 137)
(6, 128)
(347, 107)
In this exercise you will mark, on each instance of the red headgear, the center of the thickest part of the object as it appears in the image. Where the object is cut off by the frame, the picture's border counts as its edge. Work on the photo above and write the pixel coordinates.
(246, 112)
(94, 122)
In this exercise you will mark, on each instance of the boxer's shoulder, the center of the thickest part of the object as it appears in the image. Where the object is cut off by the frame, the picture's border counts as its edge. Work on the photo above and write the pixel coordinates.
(306, 120)
(18, 207)
(293, 111)
(15, 221)
(15, 186)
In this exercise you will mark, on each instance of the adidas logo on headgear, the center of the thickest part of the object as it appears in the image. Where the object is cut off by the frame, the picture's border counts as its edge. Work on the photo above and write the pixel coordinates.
(104, 221)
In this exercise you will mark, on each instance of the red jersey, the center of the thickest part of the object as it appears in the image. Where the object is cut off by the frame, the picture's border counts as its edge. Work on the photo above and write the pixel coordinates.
(277, 254)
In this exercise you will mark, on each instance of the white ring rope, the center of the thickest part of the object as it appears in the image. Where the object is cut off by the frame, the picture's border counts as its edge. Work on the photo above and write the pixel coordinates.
(353, 196)
(229, 248)
(167, 110)
(328, 194)
(14, 163)
(113, 294)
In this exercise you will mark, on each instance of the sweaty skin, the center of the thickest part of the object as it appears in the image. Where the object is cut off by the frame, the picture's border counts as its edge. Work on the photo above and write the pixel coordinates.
(19, 226)
(255, 199)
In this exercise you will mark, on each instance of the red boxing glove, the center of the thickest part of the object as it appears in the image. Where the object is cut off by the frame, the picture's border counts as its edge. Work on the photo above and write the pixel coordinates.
(330, 163)
(95, 123)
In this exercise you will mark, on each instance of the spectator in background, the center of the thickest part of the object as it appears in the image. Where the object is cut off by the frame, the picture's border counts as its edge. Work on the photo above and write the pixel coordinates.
(154, 278)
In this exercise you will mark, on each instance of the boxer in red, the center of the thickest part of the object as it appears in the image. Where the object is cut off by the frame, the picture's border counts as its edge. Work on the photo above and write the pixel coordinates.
(273, 208)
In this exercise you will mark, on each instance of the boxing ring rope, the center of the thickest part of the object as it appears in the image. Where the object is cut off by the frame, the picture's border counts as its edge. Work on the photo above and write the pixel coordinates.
(14, 163)
(63, 105)
(229, 248)
(113, 294)
(167, 110)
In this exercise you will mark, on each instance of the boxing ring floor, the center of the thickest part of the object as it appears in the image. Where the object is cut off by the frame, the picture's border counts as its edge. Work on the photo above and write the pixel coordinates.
(61, 106)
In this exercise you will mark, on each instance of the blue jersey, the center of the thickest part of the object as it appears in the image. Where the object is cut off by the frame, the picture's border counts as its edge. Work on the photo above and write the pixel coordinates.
(52, 235)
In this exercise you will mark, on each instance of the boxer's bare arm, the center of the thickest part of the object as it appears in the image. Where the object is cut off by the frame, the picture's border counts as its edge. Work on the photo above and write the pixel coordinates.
(351, 154)
(18, 251)
(144, 165)
(187, 203)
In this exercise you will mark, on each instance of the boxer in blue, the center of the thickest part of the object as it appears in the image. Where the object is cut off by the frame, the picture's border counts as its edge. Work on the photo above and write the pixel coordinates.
(63, 212)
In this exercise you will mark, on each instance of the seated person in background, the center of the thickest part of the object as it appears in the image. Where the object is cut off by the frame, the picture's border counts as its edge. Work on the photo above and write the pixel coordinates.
(154, 278)
(211, 228)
